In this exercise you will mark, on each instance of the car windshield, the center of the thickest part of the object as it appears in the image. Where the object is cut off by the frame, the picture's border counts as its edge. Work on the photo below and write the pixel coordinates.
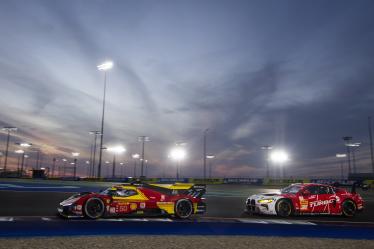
(293, 189)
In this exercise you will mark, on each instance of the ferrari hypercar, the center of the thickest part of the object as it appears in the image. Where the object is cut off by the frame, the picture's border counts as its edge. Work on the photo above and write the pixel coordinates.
(137, 199)
(307, 198)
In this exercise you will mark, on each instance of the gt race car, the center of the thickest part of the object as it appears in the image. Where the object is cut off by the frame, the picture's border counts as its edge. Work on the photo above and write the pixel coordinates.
(308, 198)
(137, 199)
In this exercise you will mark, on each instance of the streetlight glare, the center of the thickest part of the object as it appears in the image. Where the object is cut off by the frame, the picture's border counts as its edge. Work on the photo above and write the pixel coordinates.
(75, 153)
(353, 144)
(19, 151)
(279, 156)
(25, 144)
(105, 66)
(135, 156)
(117, 149)
(210, 156)
(341, 155)
(178, 154)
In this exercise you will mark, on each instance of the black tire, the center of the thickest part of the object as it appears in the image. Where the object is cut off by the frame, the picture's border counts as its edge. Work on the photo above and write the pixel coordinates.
(94, 208)
(349, 208)
(183, 209)
(284, 208)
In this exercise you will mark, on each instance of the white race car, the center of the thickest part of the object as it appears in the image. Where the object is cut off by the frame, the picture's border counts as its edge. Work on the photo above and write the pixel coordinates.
(307, 198)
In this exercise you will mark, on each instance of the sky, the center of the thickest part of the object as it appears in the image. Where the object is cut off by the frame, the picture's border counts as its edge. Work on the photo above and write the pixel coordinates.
(297, 75)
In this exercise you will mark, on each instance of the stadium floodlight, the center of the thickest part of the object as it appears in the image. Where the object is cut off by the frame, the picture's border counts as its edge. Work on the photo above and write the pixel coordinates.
(178, 154)
(279, 156)
(135, 156)
(105, 66)
(115, 150)
(75, 154)
(341, 155)
(19, 151)
(353, 144)
(210, 156)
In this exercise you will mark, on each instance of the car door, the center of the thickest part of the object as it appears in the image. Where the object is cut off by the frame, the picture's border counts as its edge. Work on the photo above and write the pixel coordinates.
(324, 201)
(128, 200)
(308, 198)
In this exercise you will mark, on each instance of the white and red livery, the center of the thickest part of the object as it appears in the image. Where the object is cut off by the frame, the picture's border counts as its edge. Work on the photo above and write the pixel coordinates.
(306, 198)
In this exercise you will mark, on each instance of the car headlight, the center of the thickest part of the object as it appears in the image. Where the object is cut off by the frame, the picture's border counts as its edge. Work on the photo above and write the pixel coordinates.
(264, 201)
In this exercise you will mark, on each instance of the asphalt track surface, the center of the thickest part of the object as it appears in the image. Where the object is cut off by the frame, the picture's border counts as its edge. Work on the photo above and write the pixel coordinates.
(223, 201)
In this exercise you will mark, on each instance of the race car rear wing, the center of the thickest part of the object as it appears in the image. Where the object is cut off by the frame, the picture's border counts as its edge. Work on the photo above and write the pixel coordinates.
(197, 191)
(354, 185)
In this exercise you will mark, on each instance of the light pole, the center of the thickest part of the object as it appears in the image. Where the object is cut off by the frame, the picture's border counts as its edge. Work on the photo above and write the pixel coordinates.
(115, 150)
(103, 67)
(88, 172)
(53, 167)
(122, 169)
(142, 139)
(95, 133)
(107, 169)
(354, 147)
(341, 164)
(75, 155)
(64, 166)
(24, 146)
(177, 154)
(204, 151)
(135, 157)
(8, 129)
(19, 158)
(347, 140)
(25, 158)
(267, 149)
(371, 144)
(210, 159)
(279, 157)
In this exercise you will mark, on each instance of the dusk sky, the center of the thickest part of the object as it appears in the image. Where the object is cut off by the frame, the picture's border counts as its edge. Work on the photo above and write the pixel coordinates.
(297, 75)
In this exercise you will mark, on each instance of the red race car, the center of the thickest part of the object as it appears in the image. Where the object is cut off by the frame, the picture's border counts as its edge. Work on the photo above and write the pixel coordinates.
(137, 199)
(307, 198)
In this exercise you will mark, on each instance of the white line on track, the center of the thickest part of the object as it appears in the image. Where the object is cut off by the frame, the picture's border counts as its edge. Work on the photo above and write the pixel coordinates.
(6, 219)
(256, 221)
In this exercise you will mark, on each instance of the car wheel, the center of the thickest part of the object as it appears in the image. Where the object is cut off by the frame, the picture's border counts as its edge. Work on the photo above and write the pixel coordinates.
(284, 208)
(183, 209)
(349, 208)
(94, 208)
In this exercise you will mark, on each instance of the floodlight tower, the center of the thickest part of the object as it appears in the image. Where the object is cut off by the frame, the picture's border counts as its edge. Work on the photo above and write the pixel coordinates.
(267, 149)
(279, 157)
(103, 67)
(115, 150)
(142, 139)
(178, 154)
(8, 129)
(341, 164)
(347, 140)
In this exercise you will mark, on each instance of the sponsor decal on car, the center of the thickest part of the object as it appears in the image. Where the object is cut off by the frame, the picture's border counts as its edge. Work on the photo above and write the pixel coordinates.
(319, 203)
(133, 206)
(142, 205)
(304, 204)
